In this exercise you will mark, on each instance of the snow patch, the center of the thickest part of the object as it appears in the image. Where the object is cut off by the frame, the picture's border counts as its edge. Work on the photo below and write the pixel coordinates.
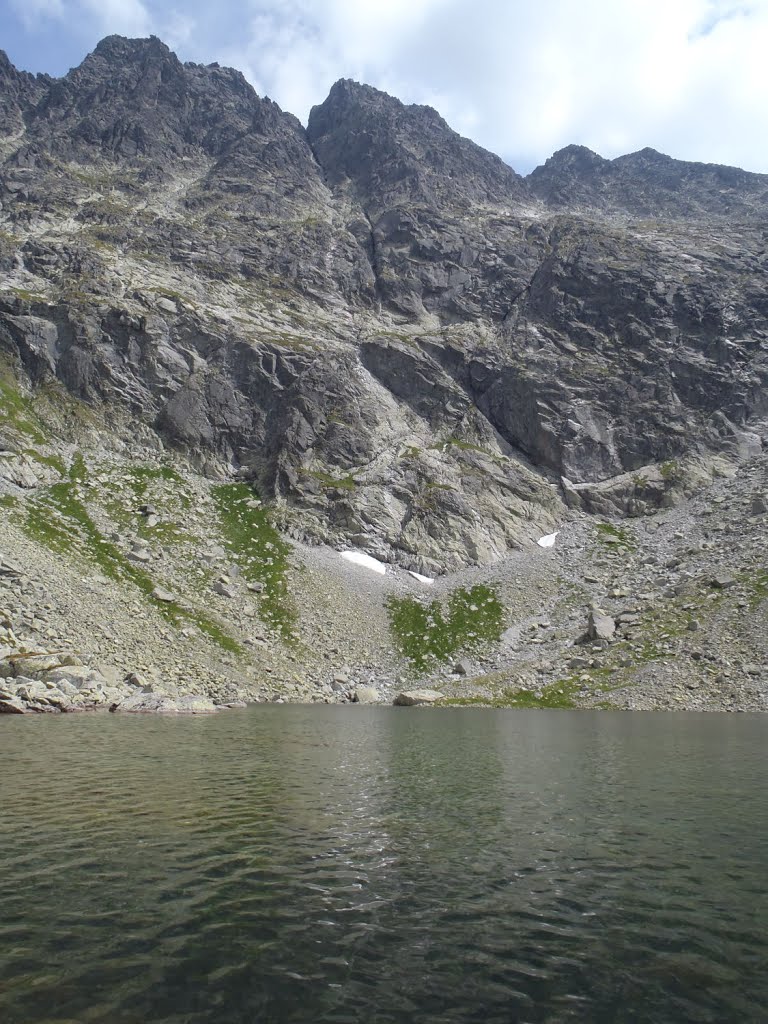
(548, 541)
(419, 577)
(367, 561)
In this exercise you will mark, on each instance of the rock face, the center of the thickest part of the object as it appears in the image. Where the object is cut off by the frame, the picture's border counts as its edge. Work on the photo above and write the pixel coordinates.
(406, 345)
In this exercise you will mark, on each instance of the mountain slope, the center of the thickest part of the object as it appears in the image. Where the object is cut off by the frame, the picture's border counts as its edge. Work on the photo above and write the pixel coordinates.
(374, 333)
(397, 337)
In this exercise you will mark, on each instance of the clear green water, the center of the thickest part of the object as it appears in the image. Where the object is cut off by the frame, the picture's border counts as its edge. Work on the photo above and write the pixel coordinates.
(303, 864)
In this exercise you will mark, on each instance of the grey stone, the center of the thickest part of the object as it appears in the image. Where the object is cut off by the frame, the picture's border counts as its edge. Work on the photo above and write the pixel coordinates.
(600, 627)
(411, 698)
(144, 703)
(36, 665)
(463, 667)
(366, 695)
(140, 554)
(575, 663)
(12, 706)
(79, 676)
(723, 581)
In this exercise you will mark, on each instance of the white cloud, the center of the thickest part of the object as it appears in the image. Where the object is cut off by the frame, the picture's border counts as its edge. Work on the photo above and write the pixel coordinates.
(524, 79)
(178, 29)
(118, 17)
(32, 13)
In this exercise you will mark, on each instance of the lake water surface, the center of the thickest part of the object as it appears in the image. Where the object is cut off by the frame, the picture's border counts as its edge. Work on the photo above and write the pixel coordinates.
(380, 865)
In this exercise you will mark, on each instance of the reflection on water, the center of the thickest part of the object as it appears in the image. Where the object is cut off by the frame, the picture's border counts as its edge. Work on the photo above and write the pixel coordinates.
(383, 865)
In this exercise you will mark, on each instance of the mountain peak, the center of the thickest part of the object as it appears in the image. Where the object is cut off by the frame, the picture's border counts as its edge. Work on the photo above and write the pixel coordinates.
(574, 157)
(387, 147)
(347, 96)
(118, 47)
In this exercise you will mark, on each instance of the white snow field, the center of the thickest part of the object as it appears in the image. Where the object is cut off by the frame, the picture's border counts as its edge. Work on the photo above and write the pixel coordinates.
(367, 561)
(548, 541)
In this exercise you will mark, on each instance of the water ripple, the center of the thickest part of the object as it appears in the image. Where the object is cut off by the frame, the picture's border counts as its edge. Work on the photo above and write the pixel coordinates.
(373, 865)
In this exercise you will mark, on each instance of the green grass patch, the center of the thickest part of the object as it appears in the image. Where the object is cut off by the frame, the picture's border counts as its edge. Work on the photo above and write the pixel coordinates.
(411, 452)
(261, 553)
(53, 461)
(25, 296)
(16, 411)
(345, 483)
(58, 518)
(139, 478)
(145, 486)
(670, 470)
(756, 584)
(464, 446)
(557, 696)
(429, 633)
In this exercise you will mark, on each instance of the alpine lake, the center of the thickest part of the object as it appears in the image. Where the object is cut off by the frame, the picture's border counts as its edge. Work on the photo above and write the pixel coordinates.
(368, 864)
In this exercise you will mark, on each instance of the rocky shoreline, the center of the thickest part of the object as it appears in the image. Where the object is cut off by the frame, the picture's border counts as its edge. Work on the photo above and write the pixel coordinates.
(57, 682)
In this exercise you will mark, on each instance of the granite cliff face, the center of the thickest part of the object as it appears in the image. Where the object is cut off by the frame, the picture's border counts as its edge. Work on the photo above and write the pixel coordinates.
(403, 343)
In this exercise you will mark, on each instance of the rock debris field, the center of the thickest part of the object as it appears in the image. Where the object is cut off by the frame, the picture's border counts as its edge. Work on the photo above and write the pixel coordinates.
(616, 614)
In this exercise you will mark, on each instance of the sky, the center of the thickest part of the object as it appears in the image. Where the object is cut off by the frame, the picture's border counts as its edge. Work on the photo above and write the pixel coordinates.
(521, 77)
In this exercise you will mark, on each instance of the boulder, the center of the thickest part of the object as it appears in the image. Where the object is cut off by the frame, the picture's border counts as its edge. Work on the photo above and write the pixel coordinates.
(57, 699)
(600, 627)
(411, 698)
(34, 666)
(366, 695)
(79, 676)
(34, 691)
(722, 581)
(12, 706)
(463, 667)
(140, 554)
(159, 704)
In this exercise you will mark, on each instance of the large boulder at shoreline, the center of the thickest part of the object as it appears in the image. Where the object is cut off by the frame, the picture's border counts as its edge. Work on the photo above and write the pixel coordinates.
(411, 698)
(366, 695)
(160, 704)
(12, 706)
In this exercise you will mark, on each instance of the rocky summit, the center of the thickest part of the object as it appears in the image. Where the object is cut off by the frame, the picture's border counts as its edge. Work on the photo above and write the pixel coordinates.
(232, 346)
